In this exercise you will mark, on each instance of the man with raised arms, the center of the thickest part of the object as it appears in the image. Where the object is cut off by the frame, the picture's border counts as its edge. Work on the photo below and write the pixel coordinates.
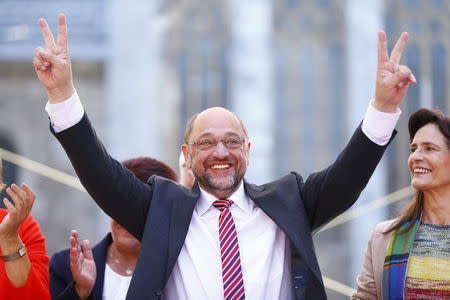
(225, 238)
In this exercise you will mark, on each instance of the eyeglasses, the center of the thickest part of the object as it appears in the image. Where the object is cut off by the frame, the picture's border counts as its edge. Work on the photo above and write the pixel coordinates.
(231, 142)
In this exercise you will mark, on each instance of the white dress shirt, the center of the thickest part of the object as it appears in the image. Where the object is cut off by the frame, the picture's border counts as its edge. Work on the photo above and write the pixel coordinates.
(264, 248)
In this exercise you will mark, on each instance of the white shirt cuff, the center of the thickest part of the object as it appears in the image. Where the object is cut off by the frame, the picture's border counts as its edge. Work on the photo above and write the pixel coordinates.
(65, 114)
(378, 126)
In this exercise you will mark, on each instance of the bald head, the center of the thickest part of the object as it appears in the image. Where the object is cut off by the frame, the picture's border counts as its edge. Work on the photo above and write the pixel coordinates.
(214, 118)
(219, 170)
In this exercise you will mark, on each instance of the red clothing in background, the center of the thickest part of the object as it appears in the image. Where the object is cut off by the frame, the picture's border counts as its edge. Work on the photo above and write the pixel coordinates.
(37, 285)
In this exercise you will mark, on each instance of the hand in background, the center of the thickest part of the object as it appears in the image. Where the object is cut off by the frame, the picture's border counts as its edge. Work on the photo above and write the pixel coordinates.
(392, 78)
(52, 65)
(23, 199)
(82, 265)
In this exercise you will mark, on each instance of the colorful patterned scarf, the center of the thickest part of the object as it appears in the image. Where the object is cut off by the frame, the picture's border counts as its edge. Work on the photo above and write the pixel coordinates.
(395, 263)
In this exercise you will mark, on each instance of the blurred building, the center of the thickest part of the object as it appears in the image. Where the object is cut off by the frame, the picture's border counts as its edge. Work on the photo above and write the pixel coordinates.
(310, 83)
(24, 124)
(299, 73)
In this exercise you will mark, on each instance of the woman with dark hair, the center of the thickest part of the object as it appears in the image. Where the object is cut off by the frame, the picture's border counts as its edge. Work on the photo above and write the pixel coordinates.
(24, 262)
(105, 271)
(409, 257)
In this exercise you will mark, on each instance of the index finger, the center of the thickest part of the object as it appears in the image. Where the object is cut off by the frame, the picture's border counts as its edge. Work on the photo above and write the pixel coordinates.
(74, 253)
(62, 32)
(28, 191)
(397, 52)
(73, 242)
(382, 48)
(74, 234)
(17, 195)
(47, 34)
(87, 250)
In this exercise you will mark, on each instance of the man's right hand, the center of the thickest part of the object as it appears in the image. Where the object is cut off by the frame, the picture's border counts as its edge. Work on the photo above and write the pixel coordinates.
(82, 265)
(52, 65)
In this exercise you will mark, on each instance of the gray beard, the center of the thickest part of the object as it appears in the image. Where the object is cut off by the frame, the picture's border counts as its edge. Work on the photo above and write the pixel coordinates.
(209, 183)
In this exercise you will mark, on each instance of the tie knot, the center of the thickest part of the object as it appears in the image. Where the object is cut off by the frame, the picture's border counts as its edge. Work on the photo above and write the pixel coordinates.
(222, 204)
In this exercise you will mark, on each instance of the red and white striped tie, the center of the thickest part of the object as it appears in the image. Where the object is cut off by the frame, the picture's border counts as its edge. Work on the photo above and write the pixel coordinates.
(233, 282)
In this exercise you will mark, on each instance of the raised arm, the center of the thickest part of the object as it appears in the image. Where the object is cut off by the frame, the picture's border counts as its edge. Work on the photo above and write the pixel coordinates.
(122, 196)
(330, 192)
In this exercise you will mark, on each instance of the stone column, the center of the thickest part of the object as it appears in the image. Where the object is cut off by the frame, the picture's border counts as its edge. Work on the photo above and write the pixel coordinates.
(251, 80)
(133, 111)
(364, 19)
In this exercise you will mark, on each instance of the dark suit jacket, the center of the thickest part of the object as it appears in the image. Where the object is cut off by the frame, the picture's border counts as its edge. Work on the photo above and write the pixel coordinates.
(62, 285)
(159, 213)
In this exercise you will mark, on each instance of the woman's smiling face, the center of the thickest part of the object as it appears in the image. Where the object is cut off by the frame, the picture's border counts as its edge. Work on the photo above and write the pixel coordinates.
(429, 161)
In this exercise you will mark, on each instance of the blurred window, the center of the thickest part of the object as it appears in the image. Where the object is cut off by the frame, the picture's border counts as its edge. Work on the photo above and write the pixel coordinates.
(291, 3)
(323, 3)
(412, 57)
(436, 27)
(439, 71)
(411, 3)
(9, 169)
(337, 67)
(439, 3)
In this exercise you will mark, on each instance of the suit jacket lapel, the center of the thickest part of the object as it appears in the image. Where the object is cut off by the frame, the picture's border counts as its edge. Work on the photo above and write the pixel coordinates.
(182, 209)
(289, 220)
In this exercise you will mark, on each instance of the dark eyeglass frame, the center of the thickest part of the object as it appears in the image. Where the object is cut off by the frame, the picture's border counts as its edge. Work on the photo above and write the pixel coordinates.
(227, 142)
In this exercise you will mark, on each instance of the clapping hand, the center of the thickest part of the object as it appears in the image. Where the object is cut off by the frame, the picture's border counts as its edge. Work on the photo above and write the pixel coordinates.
(82, 265)
(23, 199)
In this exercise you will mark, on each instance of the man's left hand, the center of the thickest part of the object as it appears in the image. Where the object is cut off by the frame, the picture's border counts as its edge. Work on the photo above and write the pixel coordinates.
(392, 78)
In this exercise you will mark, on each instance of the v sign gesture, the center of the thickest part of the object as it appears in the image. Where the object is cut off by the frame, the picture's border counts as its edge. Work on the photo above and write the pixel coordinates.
(52, 65)
(392, 78)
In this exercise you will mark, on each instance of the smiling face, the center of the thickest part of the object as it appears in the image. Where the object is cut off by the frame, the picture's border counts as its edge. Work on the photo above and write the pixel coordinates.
(429, 161)
(220, 170)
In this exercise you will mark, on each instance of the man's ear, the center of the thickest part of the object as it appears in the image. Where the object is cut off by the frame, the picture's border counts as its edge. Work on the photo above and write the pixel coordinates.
(186, 155)
(248, 145)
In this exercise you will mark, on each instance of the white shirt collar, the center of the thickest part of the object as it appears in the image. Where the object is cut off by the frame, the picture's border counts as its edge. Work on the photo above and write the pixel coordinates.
(238, 197)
